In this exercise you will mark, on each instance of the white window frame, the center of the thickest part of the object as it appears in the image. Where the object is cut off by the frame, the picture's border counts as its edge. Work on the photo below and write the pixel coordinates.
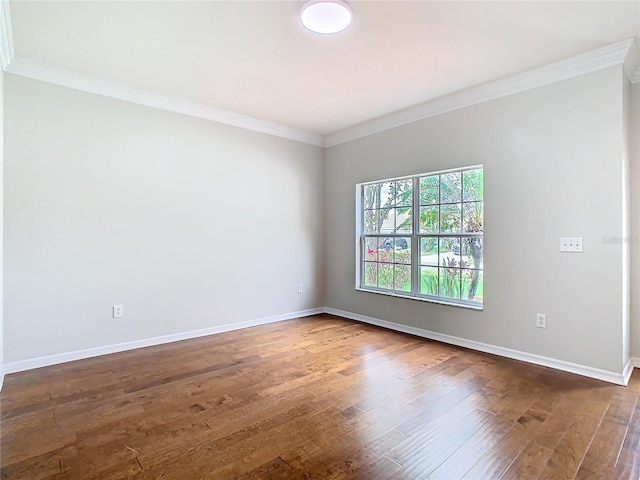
(415, 237)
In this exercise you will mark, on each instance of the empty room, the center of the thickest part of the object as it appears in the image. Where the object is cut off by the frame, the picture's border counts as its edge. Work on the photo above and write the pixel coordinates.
(246, 240)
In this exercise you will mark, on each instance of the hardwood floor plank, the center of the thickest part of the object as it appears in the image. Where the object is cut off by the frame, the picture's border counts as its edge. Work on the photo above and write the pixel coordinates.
(529, 464)
(602, 455)
(567, 457)
(458, 463)
(433, 448)
(315, 398)
(274, 469)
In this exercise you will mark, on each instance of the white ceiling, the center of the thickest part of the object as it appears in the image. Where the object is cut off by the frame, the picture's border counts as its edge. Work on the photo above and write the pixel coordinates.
(254, 58)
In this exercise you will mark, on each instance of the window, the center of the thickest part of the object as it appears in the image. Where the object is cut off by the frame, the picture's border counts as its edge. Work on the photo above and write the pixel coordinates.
(436, 254)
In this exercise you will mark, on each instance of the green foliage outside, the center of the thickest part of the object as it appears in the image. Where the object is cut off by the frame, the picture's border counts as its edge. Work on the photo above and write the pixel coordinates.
(450, 203)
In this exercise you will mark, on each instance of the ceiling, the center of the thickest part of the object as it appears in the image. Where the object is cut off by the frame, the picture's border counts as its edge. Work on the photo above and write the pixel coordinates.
(254, 58)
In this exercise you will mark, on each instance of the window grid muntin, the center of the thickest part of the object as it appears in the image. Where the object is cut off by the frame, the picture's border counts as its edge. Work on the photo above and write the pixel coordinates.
(439, 266)
(415, 236)
(393, 263)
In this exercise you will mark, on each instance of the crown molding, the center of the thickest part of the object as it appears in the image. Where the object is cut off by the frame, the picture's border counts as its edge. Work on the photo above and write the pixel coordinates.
(6, 34)
(37, 71)
(626, 53)
(632, 62)
(592, 61)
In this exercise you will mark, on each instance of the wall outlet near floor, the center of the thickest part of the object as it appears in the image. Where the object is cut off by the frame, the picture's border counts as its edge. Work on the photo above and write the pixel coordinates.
(300, 288)
(117, 311)
(541, 320)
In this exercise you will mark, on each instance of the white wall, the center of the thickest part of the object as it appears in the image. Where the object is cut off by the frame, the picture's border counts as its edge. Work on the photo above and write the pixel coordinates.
(634, 240)
(187, 223)
(553, 160)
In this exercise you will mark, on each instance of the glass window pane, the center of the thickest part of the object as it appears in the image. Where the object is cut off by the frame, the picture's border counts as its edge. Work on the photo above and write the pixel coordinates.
(473, 184)
(429, 251)
(385, 192)
(450, 252)
(385, 250)
(429, 219)
(378, 195)
(429, 190)
(370, 274)
(371, 249)
(385, 275)
(402, 250)
(472, 285)
(387, 220)
(472, 214)
(370, 221)
(429, 280)
(464, 261)
(370, 196)
(449, 282)
(404, 222)
(450, 187)
(472, 252)
(450, 218)
(402, 279)
(404, 189)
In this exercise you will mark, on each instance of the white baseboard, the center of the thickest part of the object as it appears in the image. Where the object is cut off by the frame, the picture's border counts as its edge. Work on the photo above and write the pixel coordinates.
(607, 376)
(628, 370)
(31, 363)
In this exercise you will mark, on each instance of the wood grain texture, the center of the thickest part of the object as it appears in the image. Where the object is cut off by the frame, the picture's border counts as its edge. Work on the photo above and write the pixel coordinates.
(315, 398)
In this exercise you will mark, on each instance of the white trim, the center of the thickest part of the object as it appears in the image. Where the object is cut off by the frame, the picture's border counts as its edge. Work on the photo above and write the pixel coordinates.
(607, 376)
(632, 63)
(6, 56)
(37, 71)
(31, 363)
(624, 52)
(598, 59)
(6, 34)
(627, 371)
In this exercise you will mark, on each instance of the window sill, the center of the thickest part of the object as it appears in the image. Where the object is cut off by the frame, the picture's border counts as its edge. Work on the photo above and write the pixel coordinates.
(423, 299)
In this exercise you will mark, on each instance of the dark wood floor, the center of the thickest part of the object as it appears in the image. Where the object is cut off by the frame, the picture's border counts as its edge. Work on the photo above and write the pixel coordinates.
(317, 398)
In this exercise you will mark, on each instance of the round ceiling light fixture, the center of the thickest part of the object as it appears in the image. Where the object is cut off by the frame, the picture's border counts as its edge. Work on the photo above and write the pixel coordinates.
(325, 16)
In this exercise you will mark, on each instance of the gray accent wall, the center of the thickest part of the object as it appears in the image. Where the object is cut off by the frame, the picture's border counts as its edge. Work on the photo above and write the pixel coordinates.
(187, 223)
(553, 166)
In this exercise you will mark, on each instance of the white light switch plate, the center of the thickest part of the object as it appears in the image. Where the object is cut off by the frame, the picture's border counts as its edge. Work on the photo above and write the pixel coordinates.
(571, 244)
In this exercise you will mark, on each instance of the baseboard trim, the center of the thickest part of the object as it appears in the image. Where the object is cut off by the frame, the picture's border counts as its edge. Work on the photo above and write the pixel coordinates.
(628, 370)
(605, 375)
(29, 364)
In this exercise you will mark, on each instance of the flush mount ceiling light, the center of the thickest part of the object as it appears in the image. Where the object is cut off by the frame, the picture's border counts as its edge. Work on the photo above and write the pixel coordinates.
(325, 16)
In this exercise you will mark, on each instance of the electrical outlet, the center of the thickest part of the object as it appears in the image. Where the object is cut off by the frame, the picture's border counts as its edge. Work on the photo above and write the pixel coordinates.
(300, 289)
(571, 244)
(117, 311)
(541, 320)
